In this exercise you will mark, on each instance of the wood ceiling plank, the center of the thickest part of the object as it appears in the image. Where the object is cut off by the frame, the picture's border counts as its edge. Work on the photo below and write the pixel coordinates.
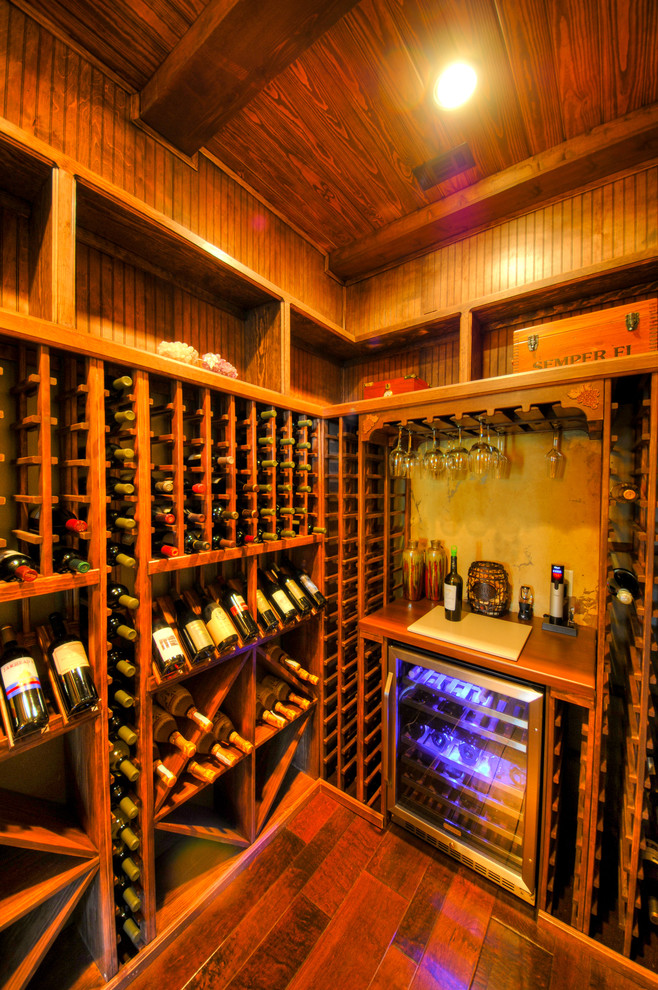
(232, 50)
(632, 140)
(628, 56)
(575, 35)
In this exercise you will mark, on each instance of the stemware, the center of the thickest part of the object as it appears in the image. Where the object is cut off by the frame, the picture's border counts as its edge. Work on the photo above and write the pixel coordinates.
(410, 462)
(433, 460)
(480, 455)
(502, 464)
(555, 458)
(396, 457)
(457, 460)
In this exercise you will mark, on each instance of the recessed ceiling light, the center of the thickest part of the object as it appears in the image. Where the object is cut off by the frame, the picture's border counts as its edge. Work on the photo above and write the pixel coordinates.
(455, 85)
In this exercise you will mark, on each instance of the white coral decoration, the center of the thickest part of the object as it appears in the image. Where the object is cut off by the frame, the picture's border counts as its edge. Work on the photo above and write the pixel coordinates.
(178, 350)
(218, 364)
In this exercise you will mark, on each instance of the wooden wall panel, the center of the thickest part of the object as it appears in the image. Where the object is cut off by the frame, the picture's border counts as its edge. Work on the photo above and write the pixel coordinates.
(315, 377)
(122, 303)
(437, 363)
(602, 225)
(14, 259)
(53, 93)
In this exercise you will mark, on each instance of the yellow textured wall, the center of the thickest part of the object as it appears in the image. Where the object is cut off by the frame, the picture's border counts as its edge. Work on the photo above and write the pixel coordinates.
(526, 522)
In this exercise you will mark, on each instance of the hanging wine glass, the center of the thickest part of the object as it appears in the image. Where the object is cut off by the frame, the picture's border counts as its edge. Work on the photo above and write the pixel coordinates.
(479, 456)
(433, 460)
(457, 460)
(396, 457)
(555, 458)
(503, 463)
(494, 453)
(410, 462)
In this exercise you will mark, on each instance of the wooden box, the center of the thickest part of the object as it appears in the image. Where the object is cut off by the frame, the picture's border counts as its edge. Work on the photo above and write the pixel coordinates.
(396, 386)
(609, 333)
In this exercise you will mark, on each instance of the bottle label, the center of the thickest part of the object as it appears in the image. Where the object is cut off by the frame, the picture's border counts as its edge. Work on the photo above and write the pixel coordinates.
(239, 606)
(220, 626)
(70, 656)
(167, 644)
(281, 599)
(262, 602)
(295, 591)
(450, 597)
(19, 675)
(199, 634)
(309, 584)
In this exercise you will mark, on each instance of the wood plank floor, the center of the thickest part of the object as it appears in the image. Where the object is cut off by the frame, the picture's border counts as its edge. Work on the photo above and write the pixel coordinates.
(335, 904)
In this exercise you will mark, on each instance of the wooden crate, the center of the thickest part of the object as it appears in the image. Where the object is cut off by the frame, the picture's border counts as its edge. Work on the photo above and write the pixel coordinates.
(587, 338)
(396, 386)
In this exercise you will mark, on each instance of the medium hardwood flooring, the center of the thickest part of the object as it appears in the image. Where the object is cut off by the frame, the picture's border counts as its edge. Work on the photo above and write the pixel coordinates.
(332, 903)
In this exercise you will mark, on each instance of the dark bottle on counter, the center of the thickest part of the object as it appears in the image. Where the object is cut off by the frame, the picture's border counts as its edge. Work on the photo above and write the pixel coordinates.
(452, 590)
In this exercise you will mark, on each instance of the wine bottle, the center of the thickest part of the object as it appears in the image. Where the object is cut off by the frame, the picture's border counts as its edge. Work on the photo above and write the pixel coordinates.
(265, 715)
(292, 589)
(624, 492)
(119, 760)
(286, 465)
(63, 520)
(120, 488)
(206, 746)
(238, 609)
(17, 566)
(196, 638)
(266, 464)
(123, 889)
(165, 486)
(219, 514)
(266, 414)
(130, 927)
(120, 828)
(278, 599)
(452, 590)
(165, 730)
(71, 666)
(26, 704)
(116, 454)
(275, 654)
(287, 442)
(125, 863)
(163, 515)
(122, 800)
(194, 459)
(118, 728)
(116, 556)
(269, 702)
(265, 614)
(223, 460)
(165, 648)
(163, 772)
(66, 560)
(225, 733)
(193, 489)
(118, 595)
(204, 774)
(283, 692)
(218, 623)
(117, 387)
(242, 538)
(304, 422)
(220, 542)
(118, 662)
(305, 582)
(194, 543)
(162, 546)
(119, 625)
(193, 518)
(178, 701)
(119, 417)
(121, 697)
(122, 520)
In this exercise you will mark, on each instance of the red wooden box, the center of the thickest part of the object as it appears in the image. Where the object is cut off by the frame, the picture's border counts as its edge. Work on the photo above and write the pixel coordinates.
(609, 333)
(396, 386)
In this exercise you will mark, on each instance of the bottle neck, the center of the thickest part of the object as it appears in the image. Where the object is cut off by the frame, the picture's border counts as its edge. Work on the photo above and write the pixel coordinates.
(453, 564)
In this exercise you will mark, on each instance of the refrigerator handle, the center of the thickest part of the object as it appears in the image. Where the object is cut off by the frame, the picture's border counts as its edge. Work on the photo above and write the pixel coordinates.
(388, 734)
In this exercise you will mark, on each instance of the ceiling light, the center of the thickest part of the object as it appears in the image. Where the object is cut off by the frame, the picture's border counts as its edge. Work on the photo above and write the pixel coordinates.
(455, 85)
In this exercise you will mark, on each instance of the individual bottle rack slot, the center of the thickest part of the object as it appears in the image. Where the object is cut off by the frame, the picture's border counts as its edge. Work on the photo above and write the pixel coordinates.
(46, 712)
(168, 466)
(579, 894)
(369, 739)
(221, 496)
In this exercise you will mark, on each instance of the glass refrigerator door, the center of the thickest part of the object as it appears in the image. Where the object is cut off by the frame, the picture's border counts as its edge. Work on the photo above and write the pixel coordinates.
(467, 764)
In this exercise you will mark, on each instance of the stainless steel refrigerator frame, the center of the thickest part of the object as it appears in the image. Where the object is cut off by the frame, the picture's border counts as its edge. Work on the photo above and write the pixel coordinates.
(523, 883)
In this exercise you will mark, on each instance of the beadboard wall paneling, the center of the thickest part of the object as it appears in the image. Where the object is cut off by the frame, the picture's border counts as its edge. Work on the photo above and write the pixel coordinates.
(437, 363)
(124, 304)
(51, 92)
(313, 376)
(14, 254)
(601, 225)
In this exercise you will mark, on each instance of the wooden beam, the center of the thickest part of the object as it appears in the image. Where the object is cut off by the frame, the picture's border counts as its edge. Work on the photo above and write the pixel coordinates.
(232, 50)
(620, 144)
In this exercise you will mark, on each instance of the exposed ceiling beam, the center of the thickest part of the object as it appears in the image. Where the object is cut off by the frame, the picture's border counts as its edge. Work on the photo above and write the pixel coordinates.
(623, 143)
(232, 50)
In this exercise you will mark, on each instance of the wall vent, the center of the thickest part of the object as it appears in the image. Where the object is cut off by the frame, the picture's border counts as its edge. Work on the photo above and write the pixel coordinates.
(445, 166)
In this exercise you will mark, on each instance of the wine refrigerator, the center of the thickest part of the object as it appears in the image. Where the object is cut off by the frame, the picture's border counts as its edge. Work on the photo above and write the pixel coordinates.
(463, 764)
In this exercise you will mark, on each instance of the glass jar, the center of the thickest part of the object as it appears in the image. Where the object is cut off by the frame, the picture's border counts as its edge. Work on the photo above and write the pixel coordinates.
(436, 565)
(413, 567)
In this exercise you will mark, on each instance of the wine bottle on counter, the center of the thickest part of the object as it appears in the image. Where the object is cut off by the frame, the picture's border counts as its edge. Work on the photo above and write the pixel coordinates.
(66, 560)
(276, 655)
(224, 732)
(17, 566)
(178, 701)
(270, 703)
(119, 625)
(120, 760)
(218, 623)
(238, 609)
(164, 773)
(283, 692)
(165, 730)
(196, 637)
(452, 590)
(163, 546)
(305, 582)
(71, 666)
(165, 648)
(26, 703)
(206, 746)
(122, 800)
(265, 715)
(117, 557)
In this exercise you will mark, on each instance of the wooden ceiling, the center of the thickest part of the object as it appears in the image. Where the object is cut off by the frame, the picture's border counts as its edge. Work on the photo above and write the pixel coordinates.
(325, 112)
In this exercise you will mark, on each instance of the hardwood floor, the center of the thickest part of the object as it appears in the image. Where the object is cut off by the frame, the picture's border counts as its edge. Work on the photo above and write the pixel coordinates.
(335, 904)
